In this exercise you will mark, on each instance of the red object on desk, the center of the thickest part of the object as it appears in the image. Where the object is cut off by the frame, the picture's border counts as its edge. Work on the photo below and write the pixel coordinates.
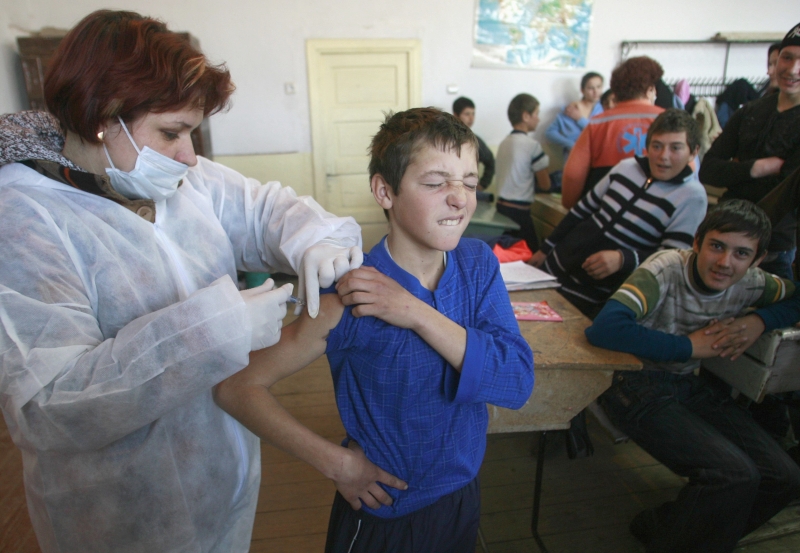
(519, 251)
(534, 311)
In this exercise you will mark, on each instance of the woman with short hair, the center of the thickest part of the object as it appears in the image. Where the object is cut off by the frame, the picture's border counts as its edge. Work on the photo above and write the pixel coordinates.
(617, 133)
(118, 298)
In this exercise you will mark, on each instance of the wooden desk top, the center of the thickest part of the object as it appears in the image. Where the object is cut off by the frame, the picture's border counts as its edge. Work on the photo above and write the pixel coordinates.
(563, 346)
(569, 372)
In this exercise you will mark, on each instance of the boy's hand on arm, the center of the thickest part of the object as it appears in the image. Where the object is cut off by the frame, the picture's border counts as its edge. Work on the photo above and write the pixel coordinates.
(377, 295)
(603, 263)
(357, 480)
(716, 337)
(752, 327)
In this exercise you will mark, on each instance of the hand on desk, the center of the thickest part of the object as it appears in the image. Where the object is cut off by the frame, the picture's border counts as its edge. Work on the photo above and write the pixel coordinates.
(538, 259)
(729, 337)
(603, 263)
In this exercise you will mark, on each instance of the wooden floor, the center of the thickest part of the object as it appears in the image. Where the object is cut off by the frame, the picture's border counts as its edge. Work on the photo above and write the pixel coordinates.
(586, 503)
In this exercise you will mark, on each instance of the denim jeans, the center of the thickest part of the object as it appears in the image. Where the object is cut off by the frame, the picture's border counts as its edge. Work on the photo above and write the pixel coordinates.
(739, 477)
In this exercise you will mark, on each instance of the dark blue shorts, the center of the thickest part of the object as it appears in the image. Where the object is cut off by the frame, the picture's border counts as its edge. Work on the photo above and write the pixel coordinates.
(448, 526)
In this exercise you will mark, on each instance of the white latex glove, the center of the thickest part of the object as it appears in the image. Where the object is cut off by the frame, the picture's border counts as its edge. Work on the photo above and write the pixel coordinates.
(266, 307)
(323, 264)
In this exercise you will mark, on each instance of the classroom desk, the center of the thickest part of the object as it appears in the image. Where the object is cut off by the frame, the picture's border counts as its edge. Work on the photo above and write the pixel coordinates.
(769, 366)
(569, 373)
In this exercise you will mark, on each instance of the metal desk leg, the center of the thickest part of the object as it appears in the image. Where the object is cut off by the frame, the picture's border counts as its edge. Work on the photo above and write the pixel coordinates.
(537, 493)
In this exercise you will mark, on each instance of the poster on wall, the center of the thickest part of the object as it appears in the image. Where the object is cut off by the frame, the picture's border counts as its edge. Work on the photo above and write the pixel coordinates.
(532, 34)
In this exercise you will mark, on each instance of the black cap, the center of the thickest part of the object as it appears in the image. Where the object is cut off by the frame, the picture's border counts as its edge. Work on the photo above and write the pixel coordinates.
(792, 38)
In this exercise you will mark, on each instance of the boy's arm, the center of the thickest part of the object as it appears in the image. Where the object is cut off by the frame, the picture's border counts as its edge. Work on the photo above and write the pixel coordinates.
(678, 234)
(499, 366)
(720, 166)
(555, 132)
(377, 295)
(542, 179)
(616, 328)
(246, 396)
(540, 165)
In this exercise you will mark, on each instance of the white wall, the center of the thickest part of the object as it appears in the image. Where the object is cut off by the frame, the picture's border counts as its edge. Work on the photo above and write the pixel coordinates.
(263, 43)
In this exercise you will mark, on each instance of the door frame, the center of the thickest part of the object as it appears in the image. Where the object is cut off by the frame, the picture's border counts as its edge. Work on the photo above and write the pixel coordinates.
(315, 49)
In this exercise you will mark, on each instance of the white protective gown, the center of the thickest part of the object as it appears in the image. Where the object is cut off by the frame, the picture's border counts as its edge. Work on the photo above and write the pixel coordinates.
(114, 331)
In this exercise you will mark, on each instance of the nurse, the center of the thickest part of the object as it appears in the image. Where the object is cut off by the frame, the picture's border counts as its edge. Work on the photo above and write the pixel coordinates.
(118, 299)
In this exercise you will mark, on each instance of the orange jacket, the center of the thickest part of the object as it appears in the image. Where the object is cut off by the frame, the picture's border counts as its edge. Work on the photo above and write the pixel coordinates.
(609, 138)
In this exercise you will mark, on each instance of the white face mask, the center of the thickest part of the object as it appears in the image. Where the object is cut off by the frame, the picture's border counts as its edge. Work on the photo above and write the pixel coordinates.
(154, 177)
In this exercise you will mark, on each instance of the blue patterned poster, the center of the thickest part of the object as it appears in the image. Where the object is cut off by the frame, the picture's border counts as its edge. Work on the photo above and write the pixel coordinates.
(532, 34)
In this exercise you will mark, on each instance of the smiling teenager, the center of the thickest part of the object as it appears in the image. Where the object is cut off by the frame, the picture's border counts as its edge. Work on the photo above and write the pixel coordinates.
(760, 147)
(676, 309)
(643, 204)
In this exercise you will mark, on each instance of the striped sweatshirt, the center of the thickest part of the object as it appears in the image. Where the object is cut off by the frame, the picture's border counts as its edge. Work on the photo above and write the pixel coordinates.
(664, 301)
(626, 211)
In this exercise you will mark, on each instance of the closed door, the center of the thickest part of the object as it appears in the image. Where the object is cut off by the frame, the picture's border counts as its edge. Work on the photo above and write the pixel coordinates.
(352, 85)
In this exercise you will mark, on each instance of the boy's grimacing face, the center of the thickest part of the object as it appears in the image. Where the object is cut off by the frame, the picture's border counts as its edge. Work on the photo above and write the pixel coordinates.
(668, 154)
(724, 257)
(436, 199)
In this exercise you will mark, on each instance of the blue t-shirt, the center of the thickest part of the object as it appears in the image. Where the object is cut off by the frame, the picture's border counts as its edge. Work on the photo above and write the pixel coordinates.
(413, 414)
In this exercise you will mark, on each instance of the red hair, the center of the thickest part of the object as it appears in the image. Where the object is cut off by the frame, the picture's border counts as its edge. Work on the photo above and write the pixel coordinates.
(631, 79)
(118, 63)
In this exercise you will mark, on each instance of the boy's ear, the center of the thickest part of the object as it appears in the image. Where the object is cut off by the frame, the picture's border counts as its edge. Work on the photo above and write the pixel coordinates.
(696, 245)
(757, 261)
(381, 191)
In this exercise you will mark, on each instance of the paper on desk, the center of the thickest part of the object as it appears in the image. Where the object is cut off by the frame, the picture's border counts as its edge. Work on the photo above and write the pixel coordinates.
(518, 275)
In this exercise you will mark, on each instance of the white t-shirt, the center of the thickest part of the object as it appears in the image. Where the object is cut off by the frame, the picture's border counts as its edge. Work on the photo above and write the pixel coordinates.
(518, 157)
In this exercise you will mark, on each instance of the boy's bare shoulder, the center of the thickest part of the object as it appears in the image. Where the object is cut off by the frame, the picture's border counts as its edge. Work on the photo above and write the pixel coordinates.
(330, 313)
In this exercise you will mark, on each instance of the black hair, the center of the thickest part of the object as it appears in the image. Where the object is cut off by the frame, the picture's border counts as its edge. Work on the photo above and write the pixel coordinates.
(676, 120)
(607, 96)
(400, 136)
(740, 216)
(521, 103)
(461, 104)
(590, 75)
(774, 47)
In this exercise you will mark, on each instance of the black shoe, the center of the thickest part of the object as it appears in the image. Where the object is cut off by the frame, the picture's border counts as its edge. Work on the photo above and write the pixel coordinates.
(643, 526)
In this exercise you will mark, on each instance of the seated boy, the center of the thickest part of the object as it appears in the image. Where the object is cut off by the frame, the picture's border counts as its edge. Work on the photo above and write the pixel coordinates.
(643, 204)
(428, 337)
(464, 109)
(674, 310)
(520, 160)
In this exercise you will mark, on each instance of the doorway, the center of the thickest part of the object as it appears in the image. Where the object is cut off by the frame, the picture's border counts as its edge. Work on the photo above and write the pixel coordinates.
(352, 84)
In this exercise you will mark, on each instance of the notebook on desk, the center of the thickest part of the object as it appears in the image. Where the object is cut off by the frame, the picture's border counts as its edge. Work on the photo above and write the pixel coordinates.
(518, 275)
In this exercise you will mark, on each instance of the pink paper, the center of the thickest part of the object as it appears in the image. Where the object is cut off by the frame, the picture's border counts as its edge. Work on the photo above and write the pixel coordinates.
(534, 311)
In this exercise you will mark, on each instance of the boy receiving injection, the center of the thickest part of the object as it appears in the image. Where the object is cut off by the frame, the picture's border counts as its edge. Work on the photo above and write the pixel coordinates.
(419, 340)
